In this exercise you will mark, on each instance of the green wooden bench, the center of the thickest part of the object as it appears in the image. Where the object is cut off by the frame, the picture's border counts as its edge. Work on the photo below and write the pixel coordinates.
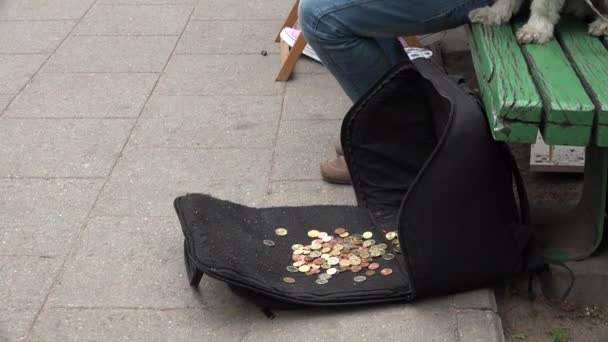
(561, 90)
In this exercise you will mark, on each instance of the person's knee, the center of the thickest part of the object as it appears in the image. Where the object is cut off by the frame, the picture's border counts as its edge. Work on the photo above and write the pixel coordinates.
(309, 14)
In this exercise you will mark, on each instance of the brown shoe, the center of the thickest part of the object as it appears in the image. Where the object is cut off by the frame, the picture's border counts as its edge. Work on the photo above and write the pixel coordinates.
(335, 171)
(339, 150)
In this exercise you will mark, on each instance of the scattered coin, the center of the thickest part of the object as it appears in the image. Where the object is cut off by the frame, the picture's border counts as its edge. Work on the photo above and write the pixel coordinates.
(359, 279)
(304, 268)
(391, 235)
(289, 280)
(373, 266)
(269, 243)
(339, 231)
(313, 233)
(325, 276)
(296, 247)
(332, 271)
(321, 281)
(386, 271)
(367, 235)
(370, 273)
(280, 231)
(356, 269)
(388, 256)
(321, 235)
(292, 269)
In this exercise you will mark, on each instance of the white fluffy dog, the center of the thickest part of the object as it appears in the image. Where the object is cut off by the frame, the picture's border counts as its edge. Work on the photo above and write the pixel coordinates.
(544, 15)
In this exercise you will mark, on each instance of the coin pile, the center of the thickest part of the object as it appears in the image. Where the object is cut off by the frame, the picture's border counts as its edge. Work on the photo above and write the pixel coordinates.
(328, 254)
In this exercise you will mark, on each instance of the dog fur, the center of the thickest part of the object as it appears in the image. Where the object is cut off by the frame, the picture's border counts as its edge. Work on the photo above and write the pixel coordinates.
(544, 15)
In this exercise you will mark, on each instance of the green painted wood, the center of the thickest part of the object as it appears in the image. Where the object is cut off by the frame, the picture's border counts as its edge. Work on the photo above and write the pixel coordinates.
(565, 101)
(570, 135)
(589, 57)
(512, 103)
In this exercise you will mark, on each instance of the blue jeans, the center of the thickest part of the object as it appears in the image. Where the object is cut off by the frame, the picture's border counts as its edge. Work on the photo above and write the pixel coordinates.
(356, 39)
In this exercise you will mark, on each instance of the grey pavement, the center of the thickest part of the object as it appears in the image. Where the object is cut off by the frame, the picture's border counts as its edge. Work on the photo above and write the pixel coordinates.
(111, 108)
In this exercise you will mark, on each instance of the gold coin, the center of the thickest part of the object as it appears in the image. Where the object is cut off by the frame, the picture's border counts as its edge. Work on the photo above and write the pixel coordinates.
(325, 266)
(375, 253)
(345, 234)
(280, 231)
(368, 243)
(339, 247)
(354, 261)
(304, 268)
(326, 250)
(325, 256)
(344, 263)
(289, 280)
(313, 233)
(335, 252)
(315, 246)
(391, 235)
(297, 246)
(368, 235)
(382, 245)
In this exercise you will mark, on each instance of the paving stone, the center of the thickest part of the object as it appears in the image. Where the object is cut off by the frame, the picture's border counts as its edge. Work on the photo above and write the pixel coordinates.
(149, 2)
(17, 70)
(146, 181)
(214, 121)
(220, 75)
(44, 9)
(183, 325)
(15, 323)
(479, 326)
(237, 9)
(43, 216)
(127, 262)
(61, 148)
(36, 201)
(307, 65)
(298, 193)
(135, 20)
(33, 36)
(301, 146)
(482, 299)
(230, 37)
(4, 101)
(83, 95)
(315, 97)
(112, 54)
(25, 281)
(401, 322)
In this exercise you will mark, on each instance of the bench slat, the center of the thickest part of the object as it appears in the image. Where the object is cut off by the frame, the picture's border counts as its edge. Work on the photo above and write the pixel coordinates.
(512, 103)
(568, 110)
(590, 60)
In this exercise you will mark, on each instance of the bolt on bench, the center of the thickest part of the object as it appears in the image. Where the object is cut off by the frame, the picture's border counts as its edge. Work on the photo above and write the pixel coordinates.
(561, 90)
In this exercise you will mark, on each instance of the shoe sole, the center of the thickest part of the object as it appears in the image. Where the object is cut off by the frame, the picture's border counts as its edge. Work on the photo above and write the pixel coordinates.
(336, 181)
(291, 40)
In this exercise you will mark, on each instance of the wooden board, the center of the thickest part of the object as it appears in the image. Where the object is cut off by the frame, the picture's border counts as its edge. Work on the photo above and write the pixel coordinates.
(512, 103)
(568, 112)
(589, 57)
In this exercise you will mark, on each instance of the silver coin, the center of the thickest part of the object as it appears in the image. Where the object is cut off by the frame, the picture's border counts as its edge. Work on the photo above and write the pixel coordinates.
(388, 256)
(292, 269)
(315, 254)
(269, 243)
(332, 271)
(333, 261)
(359, 279)
(321, 281)
(325, 276)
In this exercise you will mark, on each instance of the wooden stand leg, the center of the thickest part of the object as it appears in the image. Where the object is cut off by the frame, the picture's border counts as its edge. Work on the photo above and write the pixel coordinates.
(290, 21)
(412, 41)
(289, 58)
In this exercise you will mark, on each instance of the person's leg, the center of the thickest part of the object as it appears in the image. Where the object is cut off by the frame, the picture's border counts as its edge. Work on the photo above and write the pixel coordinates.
(356, 39)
